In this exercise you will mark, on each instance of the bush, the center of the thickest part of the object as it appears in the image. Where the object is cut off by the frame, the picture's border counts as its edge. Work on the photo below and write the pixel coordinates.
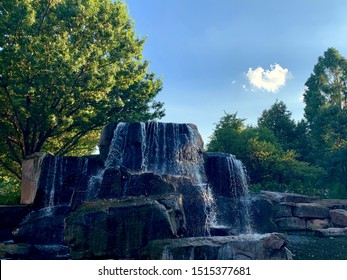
(9, 191)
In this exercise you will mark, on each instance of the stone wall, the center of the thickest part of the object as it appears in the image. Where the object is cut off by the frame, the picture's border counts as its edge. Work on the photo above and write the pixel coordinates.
(294, 212)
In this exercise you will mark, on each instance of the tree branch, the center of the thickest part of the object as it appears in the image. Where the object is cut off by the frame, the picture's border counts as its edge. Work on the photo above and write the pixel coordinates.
(44, 15)
(12, 170)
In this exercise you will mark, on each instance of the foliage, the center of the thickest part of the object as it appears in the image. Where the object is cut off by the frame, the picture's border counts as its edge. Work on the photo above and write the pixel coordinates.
(269, 165)
(278, 120)
(66, 69)
(9, 190)
(326, 114)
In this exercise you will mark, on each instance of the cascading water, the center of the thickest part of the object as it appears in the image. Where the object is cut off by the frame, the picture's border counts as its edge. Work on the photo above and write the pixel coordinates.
(237, 171)
(228, 178)
(161, 148)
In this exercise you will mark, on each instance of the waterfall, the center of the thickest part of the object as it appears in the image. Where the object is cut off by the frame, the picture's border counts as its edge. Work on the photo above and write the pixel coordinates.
(161, 148)
(176, 149)
(228, 179)
(54, 181)
(240, 189)
(210, 208)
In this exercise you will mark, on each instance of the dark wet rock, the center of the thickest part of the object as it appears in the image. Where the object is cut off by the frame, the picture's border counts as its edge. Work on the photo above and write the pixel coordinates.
(10, 218)
(44, 226)
(49, 252)
(148, 184)
(262, 214)
(58, 180)
(242, 247)
(105, 140)
(120, 228)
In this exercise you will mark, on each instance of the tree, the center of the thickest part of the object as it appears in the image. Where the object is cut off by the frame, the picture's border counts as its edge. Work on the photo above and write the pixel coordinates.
(68, 67)
(278, 120)
(325, 100)
(326, 114)
(269, 165)
(227, 136)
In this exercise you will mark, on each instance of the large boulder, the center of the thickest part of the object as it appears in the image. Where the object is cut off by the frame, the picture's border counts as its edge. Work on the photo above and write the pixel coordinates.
(262, 214)
(10, 218)
(310, 210)
(339, 217)
(242, 247)
(119, 228)
(291, 224)
(43, 227)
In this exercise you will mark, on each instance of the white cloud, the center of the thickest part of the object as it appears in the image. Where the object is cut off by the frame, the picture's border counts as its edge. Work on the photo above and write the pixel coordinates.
(268, 80)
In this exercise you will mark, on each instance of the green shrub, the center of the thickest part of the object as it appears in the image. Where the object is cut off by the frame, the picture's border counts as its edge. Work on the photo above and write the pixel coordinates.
(9, 191)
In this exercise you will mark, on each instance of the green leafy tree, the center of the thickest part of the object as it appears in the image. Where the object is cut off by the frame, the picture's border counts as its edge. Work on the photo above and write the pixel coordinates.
(325, 102)
(326, 114)
(269, 165)
(278, 120)
(227, 135)
(68, 67)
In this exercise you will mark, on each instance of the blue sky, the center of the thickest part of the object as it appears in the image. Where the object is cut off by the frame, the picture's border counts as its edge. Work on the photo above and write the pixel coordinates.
(235, 55)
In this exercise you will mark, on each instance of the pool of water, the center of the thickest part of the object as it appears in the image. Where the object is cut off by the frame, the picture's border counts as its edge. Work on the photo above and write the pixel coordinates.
(306, 247)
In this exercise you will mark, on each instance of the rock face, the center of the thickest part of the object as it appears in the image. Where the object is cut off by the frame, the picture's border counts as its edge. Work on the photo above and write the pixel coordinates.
(243, 247)
(118, 229)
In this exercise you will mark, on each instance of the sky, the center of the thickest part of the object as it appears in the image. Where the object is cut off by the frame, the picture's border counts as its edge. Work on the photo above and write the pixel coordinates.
(235, 56)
